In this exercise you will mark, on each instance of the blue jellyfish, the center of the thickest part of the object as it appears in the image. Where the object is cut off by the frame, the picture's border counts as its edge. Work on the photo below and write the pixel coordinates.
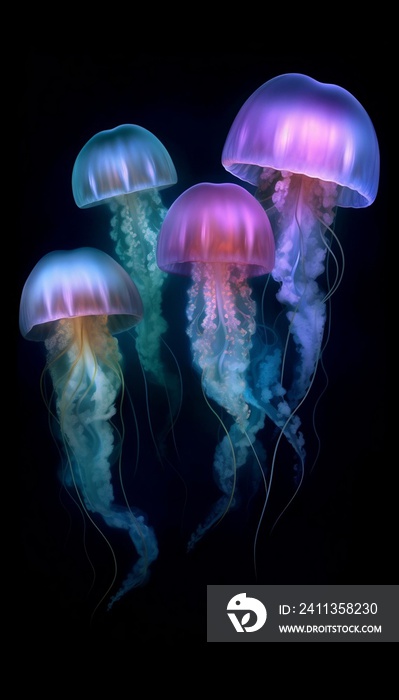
(76, 302)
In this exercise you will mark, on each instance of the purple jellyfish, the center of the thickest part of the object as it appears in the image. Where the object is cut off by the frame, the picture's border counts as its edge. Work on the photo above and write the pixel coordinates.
(308, 147)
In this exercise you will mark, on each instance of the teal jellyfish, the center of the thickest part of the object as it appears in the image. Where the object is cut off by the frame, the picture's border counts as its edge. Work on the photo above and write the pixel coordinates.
(125, 168)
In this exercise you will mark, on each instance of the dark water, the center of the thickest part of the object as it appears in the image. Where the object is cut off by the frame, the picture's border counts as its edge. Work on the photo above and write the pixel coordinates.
(338, 529)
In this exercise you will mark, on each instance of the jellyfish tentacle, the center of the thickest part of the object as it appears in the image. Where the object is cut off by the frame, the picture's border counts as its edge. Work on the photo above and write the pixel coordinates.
(135, 239)
(134, 227)
(221, 350)
(86, 392)
(145, 542)
(87, 379)
(225, 474)
(303, 210)
(221, 347)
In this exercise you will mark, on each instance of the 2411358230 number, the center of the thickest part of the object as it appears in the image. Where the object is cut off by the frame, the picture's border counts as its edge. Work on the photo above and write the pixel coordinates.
(337, 608)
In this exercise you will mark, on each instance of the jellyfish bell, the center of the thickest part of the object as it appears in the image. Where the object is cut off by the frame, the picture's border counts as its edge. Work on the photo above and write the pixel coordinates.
(119, 162)
(216, 224)
(76, 302)
(220, 236)
(79, 283)
(296, 124)
(125, 168)
(308, 147)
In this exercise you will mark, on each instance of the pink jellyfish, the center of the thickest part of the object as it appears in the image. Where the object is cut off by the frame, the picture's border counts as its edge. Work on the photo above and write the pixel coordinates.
(125, 168)
(308, 147)
(220, 235)
(76, 302)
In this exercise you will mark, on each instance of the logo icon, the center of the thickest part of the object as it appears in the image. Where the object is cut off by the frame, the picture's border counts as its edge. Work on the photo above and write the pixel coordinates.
(245, 604)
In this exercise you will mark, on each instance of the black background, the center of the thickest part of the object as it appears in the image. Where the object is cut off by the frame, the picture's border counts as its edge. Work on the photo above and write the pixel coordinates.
(338, 530)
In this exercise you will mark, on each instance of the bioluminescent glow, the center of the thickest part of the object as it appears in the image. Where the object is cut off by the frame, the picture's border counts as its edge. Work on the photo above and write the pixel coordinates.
(76, 302)
(220, 236)
(308, 148)
(125, 168)
(261, 267)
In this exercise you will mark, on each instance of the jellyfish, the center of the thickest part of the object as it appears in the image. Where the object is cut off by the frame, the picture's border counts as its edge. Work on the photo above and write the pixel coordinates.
(220, 236)
(308, 148)
(77, 302)
(125, 168)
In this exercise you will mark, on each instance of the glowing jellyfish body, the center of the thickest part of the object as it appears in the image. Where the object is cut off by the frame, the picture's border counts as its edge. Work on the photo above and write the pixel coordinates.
(75, 302)
(220, 236)
(308, 147)
(125, 168)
